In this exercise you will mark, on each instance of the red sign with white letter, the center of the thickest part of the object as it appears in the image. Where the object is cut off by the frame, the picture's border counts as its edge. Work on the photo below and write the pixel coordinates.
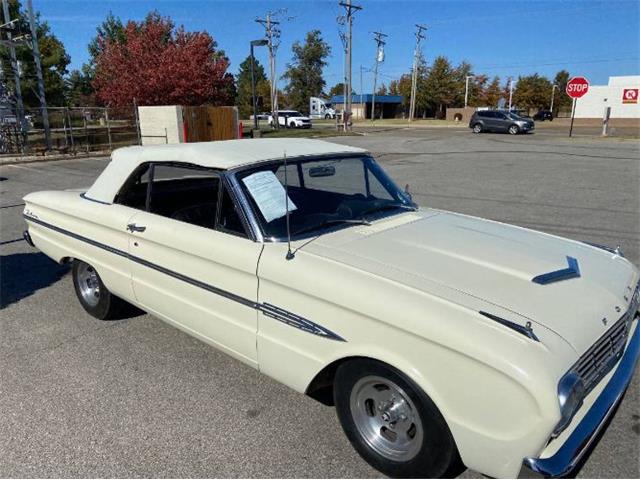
(577, 87)
(630, 95)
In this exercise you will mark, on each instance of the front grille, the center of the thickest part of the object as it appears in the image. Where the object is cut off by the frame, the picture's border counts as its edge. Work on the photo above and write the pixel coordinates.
(603, 355)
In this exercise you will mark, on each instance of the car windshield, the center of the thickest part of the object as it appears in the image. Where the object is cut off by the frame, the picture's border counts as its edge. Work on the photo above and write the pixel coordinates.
(514, 116)
(323, 194)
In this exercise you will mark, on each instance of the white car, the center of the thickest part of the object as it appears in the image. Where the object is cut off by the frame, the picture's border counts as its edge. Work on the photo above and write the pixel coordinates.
(442, 339)
(291, 119)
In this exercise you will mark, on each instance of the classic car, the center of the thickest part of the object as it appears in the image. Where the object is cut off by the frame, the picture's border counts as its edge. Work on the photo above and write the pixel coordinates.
(443, 340)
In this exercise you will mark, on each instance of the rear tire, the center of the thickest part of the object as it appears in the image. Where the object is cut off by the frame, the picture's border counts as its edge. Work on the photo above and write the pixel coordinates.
(392, 423)
(514, 130)
(477, 128)
(94, 296)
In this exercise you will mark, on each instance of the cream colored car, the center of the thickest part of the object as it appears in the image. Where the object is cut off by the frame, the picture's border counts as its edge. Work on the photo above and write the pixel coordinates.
(442, 339)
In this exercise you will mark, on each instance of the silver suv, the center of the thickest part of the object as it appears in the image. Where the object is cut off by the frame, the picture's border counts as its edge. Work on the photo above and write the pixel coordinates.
(500, 121)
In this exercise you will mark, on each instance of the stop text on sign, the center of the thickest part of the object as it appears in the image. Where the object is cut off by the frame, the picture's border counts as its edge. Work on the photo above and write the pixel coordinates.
(577, 87)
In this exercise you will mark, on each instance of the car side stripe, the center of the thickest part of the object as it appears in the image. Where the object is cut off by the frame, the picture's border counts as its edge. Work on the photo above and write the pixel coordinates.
(267, 309)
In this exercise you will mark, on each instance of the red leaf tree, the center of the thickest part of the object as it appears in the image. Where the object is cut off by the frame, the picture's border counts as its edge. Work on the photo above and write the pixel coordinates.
(159, 65)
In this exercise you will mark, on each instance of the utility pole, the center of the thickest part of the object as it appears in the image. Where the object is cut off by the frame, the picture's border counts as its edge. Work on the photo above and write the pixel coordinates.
(272, 33)
(14, 66)
(350, 8)
(510, 91)
(36, 58)
(466, 89)
(380, 43)
(414, 78)
(553, 91)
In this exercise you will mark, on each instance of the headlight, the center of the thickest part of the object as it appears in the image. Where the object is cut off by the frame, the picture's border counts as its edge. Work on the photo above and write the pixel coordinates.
(570, 396)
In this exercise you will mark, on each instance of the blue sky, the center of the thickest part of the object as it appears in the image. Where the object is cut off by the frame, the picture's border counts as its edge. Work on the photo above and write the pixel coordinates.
(595, 39)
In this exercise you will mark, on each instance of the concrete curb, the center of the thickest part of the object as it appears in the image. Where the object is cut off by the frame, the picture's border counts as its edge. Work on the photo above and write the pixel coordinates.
(51, 158)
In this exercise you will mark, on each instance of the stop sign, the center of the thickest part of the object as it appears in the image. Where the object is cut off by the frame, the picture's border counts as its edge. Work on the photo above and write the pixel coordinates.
(577, 87)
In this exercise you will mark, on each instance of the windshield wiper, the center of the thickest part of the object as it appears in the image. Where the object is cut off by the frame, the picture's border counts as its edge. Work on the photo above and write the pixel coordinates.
(332, 221)
(386, 207)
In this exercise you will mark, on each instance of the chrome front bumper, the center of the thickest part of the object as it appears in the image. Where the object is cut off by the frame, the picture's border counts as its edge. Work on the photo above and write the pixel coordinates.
(578, 443)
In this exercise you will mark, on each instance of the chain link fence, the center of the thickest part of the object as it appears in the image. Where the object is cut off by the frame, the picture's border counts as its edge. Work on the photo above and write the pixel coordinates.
(73, 130)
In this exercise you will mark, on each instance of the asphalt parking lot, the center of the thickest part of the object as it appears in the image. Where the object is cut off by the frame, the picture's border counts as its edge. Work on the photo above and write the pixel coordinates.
(138, 398)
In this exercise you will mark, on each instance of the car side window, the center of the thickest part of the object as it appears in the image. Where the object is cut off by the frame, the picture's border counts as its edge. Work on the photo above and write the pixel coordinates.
(134, 191)
(229, 219)
(184, 193)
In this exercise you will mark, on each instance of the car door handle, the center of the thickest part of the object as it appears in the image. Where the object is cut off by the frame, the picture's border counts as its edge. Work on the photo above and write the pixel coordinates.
(132, 227)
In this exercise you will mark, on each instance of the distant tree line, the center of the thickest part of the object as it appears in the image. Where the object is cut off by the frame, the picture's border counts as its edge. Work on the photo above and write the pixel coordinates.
(442, 85)
(155, 62)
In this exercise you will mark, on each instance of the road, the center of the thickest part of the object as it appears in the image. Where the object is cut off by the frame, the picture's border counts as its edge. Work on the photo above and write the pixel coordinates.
(138, 398)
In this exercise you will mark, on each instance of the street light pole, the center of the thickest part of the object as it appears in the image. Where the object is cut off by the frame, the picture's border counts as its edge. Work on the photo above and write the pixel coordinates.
(255, 43)
(553, 91)
(466, 89)
(510, 92)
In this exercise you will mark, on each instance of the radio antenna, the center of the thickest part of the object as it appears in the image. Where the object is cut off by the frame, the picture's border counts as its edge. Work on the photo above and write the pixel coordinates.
(290, 254)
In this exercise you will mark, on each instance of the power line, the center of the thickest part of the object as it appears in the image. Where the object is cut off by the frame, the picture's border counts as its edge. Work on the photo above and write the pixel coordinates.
(346, 113)
(414, 78)
(380, 43)
(272, 32)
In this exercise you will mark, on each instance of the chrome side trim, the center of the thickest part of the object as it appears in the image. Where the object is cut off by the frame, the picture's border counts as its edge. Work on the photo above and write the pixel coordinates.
(83, 195)
(616, 251)
(572, 271)
(578, 443)
(269, 310)
(527, 331)
(297, 321)
(27, 238)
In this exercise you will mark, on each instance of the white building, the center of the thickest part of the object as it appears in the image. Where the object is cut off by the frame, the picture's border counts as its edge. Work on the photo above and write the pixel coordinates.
(621, 94)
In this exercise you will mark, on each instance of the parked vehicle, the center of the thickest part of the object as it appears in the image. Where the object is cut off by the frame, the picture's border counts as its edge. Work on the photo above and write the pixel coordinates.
(440, 337)
(261, 116)
(320, 108)
(498, 121)
(543, 115)
(291, 119)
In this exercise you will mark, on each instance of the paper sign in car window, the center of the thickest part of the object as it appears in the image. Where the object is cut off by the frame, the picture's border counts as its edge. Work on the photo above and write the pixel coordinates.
(269, 195)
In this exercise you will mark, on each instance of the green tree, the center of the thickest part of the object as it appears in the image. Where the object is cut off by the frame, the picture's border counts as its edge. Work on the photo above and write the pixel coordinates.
(111, 30)
(532, 91)
(78, 89)
(492, 93)
(440, 85)
(243, 86)
(304, 73)
(337, 89)
(53, 56)
(561, 101)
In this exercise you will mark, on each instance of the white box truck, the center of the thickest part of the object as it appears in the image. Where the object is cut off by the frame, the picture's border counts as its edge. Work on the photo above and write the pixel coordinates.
(320, 108)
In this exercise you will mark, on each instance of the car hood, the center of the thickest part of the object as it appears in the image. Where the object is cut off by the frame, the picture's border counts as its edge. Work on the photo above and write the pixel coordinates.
(493, 262)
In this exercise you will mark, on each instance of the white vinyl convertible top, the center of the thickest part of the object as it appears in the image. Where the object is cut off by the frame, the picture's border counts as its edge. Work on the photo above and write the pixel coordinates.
(222, 155)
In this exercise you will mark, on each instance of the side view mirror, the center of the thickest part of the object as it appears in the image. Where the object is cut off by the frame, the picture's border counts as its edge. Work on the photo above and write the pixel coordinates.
(407, 192)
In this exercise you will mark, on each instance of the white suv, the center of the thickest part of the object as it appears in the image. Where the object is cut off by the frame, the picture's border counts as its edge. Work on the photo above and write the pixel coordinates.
(291, 119)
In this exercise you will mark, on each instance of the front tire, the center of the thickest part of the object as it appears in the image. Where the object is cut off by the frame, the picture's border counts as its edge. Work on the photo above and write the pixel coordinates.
(392, 423)
(514, 130)
(327, 116)
(94, 296)
(477, 128)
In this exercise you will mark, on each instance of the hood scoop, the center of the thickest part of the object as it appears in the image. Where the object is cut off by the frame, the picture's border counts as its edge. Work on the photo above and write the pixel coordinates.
(572, 271)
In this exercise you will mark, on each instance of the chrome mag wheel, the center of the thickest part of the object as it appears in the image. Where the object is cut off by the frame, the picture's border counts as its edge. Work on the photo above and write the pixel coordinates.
(386, 418)
(89, 284)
